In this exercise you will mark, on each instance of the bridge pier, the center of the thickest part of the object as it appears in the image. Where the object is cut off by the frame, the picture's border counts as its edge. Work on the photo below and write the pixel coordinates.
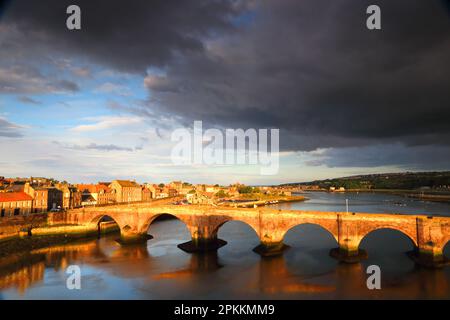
(349, 237)
(202, 245)
(431, 240)
(129, 236)
(348, 256)
(203, 240)
(141, 238)
(348, 250)
(270, 249)
(428, 257)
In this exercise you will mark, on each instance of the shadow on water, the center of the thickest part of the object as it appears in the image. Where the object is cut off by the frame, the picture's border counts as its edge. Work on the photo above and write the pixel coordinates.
(198, 264)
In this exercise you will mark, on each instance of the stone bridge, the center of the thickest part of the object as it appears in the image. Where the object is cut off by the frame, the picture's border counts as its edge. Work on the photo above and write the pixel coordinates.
(429, 234)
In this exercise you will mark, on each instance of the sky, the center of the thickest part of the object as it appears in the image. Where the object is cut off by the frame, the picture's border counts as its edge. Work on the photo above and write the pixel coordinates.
(101, 103)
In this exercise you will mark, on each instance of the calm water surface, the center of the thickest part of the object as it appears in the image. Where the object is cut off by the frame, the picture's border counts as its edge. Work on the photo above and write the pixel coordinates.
(159, 270)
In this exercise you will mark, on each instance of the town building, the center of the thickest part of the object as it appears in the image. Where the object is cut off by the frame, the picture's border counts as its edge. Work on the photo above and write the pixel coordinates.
(44, 198)
(160, 192)
(146, 194)
(15, 204)
(177, 185)
(88, 200)
(71, 196)
(126, 191)
(185, 189)
(40, 181)
(152, 188)
(96, 194)
(200, 197)
(213, 189)
(171, 192)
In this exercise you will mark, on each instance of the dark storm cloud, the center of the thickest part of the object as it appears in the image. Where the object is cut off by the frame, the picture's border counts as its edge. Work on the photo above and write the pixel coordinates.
(129, 36)
(313, 69)
(422, 157)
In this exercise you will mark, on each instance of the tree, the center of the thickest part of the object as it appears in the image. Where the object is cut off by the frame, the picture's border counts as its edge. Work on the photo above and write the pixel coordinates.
(222, 194)
(245, 189)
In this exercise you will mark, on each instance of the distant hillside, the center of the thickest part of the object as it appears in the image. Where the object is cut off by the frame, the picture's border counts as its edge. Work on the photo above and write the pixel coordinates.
(404, 181)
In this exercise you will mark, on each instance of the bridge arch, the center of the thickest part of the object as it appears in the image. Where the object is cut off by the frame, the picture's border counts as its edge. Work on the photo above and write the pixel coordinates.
(216, 228)
(411, 237)
(322, 227)
(445, 248)
(148, 221)
(99, 217)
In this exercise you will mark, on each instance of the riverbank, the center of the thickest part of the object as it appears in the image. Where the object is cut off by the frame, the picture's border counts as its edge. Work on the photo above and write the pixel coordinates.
(13, 227)
(42, 237)
(24, 245)
(262, 201)
(434, 196)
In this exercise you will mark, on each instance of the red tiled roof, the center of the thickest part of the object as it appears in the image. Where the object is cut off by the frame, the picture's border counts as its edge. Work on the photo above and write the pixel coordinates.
(14, 196)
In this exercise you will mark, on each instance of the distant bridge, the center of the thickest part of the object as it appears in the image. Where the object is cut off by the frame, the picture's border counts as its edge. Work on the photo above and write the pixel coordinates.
(428, 234)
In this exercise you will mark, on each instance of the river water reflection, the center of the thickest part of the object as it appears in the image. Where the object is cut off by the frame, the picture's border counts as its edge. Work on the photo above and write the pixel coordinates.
(159, 270)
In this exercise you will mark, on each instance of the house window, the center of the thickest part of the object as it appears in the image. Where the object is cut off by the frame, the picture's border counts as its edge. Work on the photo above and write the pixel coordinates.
(2, 214)
(16, 211)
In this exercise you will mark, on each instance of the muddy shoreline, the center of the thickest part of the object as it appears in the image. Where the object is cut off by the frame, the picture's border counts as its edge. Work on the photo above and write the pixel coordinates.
(20, 246)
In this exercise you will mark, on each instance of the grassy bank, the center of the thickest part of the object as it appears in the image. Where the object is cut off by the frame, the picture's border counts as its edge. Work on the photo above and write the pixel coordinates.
(437, 196)
(258, 200)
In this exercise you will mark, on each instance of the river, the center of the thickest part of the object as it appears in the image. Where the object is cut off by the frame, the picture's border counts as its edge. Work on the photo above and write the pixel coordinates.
(159, 270)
